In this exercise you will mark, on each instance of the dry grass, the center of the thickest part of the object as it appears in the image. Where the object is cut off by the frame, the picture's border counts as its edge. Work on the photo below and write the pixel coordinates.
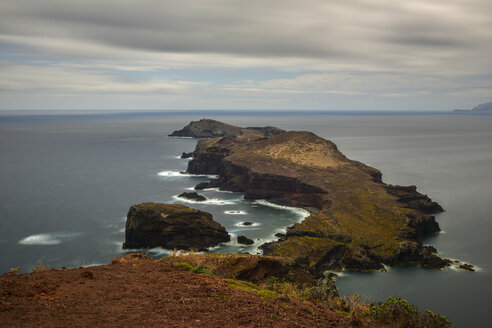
(39, 267)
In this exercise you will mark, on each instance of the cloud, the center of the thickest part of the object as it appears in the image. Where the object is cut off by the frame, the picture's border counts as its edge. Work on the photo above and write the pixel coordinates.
(422, 43)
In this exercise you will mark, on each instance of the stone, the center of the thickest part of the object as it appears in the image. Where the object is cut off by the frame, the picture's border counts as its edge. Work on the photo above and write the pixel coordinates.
(245, 240)
(193, 196)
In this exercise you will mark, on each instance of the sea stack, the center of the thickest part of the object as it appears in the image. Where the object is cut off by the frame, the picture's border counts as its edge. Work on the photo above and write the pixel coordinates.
(172, 226)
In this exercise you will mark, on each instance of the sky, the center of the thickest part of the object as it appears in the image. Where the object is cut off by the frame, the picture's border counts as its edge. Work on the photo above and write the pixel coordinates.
(236, 54)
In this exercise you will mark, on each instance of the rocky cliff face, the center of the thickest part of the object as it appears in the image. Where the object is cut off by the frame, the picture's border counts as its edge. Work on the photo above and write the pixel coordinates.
(171, 226)
(358, 222)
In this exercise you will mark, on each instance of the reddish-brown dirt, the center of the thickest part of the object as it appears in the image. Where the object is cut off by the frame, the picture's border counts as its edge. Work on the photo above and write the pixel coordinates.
(141, 292)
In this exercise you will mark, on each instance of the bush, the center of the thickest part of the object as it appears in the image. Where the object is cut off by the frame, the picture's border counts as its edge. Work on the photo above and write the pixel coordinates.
(398, 311)
(201, 269)
(40, 267)
(185, 265)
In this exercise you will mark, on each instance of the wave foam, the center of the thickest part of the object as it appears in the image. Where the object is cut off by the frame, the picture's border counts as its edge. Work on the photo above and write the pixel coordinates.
(240, 224)
(174, 174)
(235, 212)
(302, 213)
(212, 201)
(45, 239)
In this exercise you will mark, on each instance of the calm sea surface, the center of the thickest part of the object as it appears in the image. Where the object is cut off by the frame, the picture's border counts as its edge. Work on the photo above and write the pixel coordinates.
(67, 181)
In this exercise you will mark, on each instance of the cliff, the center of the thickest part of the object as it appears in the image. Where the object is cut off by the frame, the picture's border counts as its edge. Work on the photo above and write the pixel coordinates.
(357, 221)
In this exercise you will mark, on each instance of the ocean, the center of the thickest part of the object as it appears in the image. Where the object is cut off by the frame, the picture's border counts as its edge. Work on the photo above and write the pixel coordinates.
(69, 178)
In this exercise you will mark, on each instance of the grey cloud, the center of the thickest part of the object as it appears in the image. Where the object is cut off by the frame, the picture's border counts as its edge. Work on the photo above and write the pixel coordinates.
(326, 43)
(252, 28)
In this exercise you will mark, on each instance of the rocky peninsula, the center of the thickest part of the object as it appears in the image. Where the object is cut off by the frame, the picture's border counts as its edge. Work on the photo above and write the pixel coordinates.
(357, 222)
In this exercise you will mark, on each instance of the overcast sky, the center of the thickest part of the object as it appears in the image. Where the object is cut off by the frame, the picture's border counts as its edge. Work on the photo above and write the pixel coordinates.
(237, 54)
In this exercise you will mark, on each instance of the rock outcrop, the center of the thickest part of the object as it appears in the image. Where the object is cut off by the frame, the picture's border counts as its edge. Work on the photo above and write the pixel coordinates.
(193, 196)
(357, 221)
(171, 226)
(245, 240)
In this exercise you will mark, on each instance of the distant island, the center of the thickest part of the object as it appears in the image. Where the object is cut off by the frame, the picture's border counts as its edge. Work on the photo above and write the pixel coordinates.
(482, 108)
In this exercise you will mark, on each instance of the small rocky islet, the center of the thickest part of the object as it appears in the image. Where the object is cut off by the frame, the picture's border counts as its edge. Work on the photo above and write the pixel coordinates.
(172, 226)
(193, 196)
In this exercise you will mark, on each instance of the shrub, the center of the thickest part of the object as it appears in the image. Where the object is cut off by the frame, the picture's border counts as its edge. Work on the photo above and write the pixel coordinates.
(39, 267)
(398, 311)
(185, 265)
(14, 270)
(201, 269)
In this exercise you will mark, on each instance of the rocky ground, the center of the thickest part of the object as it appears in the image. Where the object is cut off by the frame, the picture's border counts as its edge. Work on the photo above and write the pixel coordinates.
(136, 291)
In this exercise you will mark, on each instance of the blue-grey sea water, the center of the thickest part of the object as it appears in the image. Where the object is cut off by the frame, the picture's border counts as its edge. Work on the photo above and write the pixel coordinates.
(68, 179)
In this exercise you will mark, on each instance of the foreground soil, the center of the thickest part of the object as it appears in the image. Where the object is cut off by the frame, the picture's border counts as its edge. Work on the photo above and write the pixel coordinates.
(136, 291)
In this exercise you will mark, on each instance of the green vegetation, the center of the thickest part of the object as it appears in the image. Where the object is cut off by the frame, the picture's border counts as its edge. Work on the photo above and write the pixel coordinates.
(251, 288)
(398, 311)
(221, 297)
(185, 265)
(199, 269)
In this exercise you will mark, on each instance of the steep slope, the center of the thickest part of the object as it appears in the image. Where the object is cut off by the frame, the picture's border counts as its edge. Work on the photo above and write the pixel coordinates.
(136, 291)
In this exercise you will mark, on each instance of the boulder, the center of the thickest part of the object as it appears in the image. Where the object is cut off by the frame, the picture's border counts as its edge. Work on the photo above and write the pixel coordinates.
(208, 184)
(193, 196)
(245, 240)
(172, 226)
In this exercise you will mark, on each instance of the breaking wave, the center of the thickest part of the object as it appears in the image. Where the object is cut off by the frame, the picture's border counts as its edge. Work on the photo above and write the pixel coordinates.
(174, 174)
(236, 212)
(212, 201)
(45, 239)
(302, 213)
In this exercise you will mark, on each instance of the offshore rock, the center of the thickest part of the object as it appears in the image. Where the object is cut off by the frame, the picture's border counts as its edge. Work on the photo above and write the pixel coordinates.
(208, 184)
(193, 196)
(245, 240)
(171, 226)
